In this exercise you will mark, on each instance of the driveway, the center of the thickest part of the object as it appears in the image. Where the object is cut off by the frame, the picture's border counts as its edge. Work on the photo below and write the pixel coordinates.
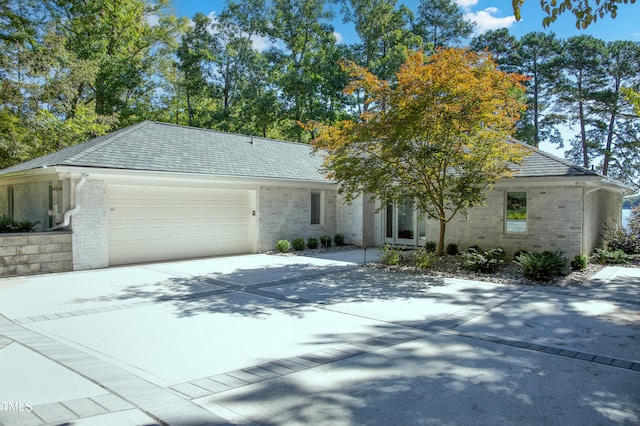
(261, 339)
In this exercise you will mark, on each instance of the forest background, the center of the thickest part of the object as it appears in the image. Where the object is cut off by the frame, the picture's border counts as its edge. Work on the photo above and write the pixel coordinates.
(75, 69)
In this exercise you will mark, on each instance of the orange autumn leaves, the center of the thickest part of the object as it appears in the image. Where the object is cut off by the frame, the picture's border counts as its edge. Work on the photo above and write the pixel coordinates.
(439, 134)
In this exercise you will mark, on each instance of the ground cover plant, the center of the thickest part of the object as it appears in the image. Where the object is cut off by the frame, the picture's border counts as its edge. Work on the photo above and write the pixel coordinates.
(610, 257)
(542, 266)
(478, 260)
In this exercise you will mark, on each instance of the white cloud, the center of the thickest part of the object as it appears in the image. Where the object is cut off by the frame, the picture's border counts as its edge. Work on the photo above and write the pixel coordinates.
(338, 36)
(486, 20)
(466, 4)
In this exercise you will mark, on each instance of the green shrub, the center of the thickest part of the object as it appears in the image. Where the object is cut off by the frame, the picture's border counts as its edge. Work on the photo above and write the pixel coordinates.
(430, 246)
(483, 261)
(424, 258)
(390, 255)
(518, 253)
(338, 239)
(283, 246)
(625, 239)
(606, 257)
(476, 248)
(325, 240)
(298, 244)
(543, 266)
(452, 249)
(579, 262)
(10, 225)
(312, 243)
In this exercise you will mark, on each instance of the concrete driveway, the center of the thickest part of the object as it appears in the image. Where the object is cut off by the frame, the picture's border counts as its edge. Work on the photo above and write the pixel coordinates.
(261, 339)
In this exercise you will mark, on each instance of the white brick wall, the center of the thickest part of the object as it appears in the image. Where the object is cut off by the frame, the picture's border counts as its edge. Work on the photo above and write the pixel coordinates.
(285, 213)
(359, 222)
(554, 220)
(350, 220)
(603, 208)
(90, 226)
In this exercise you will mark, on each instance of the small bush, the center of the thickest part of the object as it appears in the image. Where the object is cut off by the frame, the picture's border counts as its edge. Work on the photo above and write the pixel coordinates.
(283, 246)
(483, 261)
(476, 248)
(298, 244)
(518, 253)
(390, 255)
(543, 266)
(338, 239)
(424, 258)
(579, 262)
(430, 246)
(10, 225)
(452, 249)
(325, 240)
(625, 239)
(606, 257)
(312, 243)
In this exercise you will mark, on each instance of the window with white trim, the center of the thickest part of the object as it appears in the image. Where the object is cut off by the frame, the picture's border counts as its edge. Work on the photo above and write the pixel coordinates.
(516, 213)
(316, 207)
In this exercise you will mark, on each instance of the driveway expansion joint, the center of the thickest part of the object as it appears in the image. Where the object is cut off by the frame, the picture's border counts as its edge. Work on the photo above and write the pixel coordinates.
(583, 294)
(551, 350)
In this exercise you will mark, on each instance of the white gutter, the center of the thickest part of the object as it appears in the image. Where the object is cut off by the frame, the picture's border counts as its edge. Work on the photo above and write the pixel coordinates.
(76, 209)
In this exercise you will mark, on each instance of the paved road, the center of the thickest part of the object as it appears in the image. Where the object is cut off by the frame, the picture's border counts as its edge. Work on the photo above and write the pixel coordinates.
(292, 340)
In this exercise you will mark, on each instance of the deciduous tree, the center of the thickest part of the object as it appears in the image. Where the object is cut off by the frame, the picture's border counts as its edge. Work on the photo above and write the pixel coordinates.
(583, 10)
(438, 136)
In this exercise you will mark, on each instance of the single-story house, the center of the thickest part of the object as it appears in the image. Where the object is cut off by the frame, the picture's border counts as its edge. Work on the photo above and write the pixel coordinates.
(156, 191)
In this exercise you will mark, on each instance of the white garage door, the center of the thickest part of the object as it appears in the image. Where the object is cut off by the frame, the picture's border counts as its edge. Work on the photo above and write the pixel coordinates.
(158, 223)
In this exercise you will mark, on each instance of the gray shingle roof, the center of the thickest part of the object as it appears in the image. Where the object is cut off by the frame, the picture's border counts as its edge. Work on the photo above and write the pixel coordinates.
(543, 164)
(155, 146)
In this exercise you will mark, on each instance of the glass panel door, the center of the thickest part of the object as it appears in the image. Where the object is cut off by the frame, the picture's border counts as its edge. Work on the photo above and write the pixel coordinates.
(406, 223)
(400, 224)
(389, 225)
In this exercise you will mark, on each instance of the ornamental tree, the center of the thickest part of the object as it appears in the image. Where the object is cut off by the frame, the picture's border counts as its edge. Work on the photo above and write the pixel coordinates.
(438, 136)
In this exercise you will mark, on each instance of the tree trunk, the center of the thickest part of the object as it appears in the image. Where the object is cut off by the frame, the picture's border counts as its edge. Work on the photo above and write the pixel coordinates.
(443, 226)
(583, 131)
(607, 150)
(536, 120)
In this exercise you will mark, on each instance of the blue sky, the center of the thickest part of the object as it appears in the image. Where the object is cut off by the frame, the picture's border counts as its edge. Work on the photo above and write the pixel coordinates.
(488, 14)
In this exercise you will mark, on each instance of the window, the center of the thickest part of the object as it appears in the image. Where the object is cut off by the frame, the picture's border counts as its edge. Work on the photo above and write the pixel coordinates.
(516, 216)
(10, 202)
(316, 208)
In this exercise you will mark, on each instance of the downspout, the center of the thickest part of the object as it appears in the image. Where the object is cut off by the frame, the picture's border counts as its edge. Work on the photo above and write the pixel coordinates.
(585, 192)
(76, 209)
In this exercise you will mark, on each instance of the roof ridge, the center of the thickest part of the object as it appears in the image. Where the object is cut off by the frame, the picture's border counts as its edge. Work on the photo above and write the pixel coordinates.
(110, 138)
(220, 132)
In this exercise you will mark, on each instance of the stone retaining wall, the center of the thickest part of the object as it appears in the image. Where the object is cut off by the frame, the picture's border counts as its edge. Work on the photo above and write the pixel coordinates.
(35, 253)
